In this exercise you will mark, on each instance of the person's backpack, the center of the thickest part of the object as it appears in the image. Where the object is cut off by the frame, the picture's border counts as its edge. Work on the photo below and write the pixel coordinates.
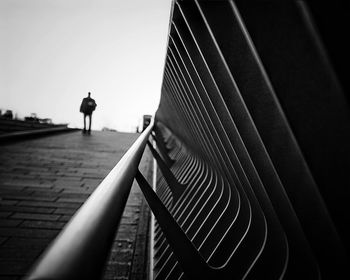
(88, 106)
(91, 104)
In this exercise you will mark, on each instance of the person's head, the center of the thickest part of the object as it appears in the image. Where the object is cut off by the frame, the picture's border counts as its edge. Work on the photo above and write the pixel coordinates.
(89, 93)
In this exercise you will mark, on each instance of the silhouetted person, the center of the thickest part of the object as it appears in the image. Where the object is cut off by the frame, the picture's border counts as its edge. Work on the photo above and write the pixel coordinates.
(87, 106)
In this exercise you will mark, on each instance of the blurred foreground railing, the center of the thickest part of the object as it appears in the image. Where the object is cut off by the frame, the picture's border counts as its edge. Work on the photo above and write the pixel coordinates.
(81, 249)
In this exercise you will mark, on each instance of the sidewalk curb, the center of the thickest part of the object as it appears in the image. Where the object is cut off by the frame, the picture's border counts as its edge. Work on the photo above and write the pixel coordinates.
(25, 135)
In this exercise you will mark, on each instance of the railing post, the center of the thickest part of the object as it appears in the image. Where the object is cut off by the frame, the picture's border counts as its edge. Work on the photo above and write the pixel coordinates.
(175, 187)
(192, 263)
(162, 150)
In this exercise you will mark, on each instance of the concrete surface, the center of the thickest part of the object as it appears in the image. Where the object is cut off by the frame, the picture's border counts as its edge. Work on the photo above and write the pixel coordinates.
(44, 181)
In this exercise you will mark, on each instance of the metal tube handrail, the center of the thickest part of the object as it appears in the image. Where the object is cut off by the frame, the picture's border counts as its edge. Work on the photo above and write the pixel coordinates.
(82, 247)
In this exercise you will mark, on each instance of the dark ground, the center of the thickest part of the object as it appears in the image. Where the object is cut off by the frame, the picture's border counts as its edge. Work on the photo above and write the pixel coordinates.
(44, 181)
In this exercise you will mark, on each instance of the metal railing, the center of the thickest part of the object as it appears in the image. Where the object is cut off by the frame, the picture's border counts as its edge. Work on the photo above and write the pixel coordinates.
(243, 191)
(250, 94)
(81, 249)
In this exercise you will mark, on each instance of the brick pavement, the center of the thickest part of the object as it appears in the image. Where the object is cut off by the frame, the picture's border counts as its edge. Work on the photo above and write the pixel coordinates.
(44, 181)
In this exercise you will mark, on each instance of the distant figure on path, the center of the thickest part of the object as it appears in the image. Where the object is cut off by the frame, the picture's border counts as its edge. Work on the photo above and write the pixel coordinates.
(87, 106)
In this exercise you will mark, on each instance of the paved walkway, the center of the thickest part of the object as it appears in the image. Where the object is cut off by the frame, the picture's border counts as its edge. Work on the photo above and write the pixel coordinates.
(44, 181)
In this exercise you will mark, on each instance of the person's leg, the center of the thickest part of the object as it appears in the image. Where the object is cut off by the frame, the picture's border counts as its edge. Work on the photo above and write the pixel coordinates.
(90, 117)
(84, 123)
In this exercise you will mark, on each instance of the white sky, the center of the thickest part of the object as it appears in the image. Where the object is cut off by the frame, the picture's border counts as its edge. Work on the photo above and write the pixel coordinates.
(53, 52)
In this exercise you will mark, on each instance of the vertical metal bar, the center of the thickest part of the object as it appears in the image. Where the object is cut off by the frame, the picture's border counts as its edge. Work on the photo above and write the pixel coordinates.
(161, 147)
(175, 187)
(188, 256)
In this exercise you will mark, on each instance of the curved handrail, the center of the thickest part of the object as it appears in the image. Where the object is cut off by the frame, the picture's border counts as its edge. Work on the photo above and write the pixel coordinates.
(81, 249)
